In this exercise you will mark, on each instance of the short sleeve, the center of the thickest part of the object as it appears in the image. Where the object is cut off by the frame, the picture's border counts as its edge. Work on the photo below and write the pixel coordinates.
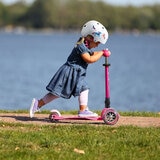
(81, 49)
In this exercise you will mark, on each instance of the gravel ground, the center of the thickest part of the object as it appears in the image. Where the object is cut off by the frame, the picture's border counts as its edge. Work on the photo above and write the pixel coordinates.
(42, 119)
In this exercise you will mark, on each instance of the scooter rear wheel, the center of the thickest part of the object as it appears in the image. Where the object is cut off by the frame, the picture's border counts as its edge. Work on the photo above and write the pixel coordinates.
(54, 113)
(109, 116)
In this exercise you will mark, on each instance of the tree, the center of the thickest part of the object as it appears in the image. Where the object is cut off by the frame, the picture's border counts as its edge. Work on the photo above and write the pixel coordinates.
(71, 14)
(39, 15)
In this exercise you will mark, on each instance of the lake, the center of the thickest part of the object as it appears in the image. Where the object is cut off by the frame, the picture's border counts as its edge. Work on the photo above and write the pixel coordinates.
(29, 60)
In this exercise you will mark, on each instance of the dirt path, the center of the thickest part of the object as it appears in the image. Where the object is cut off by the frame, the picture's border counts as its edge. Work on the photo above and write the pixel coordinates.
(42, 119)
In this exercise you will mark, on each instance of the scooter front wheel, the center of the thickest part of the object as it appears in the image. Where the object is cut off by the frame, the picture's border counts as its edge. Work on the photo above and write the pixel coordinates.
(54, 113)
(109, 116)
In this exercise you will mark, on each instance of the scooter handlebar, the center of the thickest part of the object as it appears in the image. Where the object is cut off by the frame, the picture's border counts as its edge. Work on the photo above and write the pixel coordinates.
(106, 62)
(106, 52)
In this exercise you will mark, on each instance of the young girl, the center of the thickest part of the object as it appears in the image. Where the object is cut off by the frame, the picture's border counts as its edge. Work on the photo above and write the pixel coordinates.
(70, 78)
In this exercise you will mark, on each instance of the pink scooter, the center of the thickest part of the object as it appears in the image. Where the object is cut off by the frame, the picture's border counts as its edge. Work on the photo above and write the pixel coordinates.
(108, 115)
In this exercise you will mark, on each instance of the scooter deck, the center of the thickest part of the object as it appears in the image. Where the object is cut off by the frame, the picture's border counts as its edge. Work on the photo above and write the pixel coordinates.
(77, 118)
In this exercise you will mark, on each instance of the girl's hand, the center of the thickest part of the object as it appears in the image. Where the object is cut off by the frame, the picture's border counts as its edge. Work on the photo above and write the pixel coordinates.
(106, 53)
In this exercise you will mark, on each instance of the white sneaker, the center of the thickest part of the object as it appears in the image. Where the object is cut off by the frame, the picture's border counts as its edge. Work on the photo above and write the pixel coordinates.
(87, 113)
(34, 107)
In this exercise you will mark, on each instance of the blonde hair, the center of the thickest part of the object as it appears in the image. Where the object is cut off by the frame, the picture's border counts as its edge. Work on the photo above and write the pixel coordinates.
(81, 40)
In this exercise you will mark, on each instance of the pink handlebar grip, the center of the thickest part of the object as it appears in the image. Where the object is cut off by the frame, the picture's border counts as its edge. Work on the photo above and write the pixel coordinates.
(106, 53)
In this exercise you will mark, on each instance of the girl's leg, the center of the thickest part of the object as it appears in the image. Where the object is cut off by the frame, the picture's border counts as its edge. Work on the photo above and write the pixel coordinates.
(83, 100)
(83, 105)
(37, 104)
(46, 99)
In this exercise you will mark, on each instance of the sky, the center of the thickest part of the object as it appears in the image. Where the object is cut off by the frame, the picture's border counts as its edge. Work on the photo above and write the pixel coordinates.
(114, 2)
(132, 2)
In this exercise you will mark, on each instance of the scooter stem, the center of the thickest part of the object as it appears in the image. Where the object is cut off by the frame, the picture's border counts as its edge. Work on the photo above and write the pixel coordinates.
(107, 89)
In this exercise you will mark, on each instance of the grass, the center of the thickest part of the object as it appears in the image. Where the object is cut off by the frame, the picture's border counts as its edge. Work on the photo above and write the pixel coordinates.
(78, 142)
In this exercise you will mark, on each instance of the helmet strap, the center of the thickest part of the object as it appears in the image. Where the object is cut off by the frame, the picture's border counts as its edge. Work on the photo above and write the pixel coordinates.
(86, 42)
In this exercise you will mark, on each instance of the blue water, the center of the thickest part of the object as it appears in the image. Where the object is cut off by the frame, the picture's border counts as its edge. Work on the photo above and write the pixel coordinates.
(29, 60)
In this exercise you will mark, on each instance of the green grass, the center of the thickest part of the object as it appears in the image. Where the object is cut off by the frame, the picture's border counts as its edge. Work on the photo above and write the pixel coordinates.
(74, 112)
(56, 141)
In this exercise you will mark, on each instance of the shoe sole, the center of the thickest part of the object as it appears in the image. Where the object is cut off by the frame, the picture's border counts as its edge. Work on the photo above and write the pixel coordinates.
(85, 116)
(31, 108)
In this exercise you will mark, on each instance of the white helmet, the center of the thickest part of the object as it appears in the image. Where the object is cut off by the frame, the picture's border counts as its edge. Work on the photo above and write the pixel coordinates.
(95, 29)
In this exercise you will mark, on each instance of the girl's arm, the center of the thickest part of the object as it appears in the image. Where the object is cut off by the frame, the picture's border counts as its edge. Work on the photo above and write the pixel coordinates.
(95, 56)
(92, 58)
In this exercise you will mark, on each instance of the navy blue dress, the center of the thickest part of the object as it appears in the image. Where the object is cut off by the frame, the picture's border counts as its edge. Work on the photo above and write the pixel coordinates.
(70, 78)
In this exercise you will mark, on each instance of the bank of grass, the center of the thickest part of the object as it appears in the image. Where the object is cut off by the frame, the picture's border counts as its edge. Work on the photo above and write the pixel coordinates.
(78, 142)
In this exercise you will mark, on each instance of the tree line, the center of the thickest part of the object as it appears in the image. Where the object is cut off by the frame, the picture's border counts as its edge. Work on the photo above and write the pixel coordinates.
(71, 14)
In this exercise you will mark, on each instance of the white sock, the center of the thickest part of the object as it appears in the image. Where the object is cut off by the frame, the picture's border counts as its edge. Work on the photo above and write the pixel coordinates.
(83, 98)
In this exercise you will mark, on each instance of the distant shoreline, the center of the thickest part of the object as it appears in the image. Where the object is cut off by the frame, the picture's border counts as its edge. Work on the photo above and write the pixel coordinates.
(23, 30)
